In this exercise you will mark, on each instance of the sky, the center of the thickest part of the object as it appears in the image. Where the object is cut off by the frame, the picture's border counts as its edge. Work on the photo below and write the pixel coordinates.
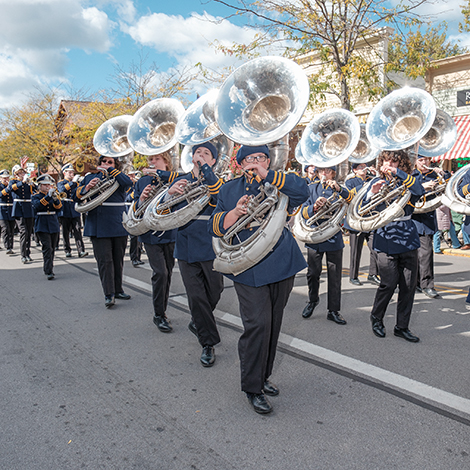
(79, 43)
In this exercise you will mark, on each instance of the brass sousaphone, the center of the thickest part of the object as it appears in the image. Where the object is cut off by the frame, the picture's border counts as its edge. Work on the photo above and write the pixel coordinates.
(152, 132)
(109, 140)
(195, 126)
(398, 121)
(259, 103)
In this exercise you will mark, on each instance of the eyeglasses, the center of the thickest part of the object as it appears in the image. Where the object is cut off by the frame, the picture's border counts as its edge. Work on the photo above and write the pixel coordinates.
(258, 158)
(108, 162)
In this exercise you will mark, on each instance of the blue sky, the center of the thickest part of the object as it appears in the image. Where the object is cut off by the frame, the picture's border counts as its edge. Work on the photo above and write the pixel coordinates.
(79, 42)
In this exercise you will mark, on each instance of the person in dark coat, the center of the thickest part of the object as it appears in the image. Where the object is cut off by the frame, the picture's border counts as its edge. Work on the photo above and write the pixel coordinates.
(47, 204)
(264, 288)
(7, 221)
(104, 227)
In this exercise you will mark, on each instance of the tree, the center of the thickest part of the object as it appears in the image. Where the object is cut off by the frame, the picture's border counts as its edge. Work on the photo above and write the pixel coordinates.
(413, 53)
(464, 27)
(340, 33)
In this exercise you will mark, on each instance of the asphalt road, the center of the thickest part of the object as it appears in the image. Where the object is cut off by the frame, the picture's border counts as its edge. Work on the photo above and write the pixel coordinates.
(83, 387)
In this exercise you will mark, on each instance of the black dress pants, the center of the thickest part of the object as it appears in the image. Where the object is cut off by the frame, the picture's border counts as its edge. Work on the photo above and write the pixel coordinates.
(204, 287)
(135, 248)
(72, 225)
(8, 232)
(426, 262)
(109, 254)
(26, 229)
(334, 264)
(400, 269)
(49, 242)
(161, 261)
(356, 242)
(261, 311)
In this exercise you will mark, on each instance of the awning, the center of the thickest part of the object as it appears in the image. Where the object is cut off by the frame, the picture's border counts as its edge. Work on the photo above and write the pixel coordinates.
(461, 148)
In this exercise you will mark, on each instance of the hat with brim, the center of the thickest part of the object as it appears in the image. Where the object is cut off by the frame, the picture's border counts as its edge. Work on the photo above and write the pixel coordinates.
(45, 179)
(4, 174)
(68, 167)
(245, 150)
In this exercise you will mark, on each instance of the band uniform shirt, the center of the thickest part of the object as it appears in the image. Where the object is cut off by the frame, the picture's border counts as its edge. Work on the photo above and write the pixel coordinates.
(68, 203)
(193, 240)
(21, 199)
(399, 236)
(426, 223)
(153, 237)
(285, 259)
(6, 202)
(46, 209)
(317, 190)
(105, 221)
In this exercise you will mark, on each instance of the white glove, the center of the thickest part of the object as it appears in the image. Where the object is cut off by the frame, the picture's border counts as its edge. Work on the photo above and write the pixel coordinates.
(25, 178)
(50, 192)
(76, 178)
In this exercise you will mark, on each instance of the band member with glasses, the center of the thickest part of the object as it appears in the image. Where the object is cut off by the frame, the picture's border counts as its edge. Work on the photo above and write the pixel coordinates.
(47, 204)
(362, 174)
(319, 192)
(159, 246)
(426, 225)
(69, 217)
(21, 189)
(263, 289)
(397, 247)
(104, 227)
(195, 255)
(7, 221)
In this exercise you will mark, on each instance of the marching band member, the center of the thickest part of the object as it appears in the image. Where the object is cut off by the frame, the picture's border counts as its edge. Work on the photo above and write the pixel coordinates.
(463, 189)
(104, 227)
(7, 222)
(311, 173)
(46, 204)
(319, 192)
(195, 255)
(262, 290)
(426, 226)
(69, 217)
(22, 189)
(159, 246)
(397, 248)
(135, 246)
(356, 239)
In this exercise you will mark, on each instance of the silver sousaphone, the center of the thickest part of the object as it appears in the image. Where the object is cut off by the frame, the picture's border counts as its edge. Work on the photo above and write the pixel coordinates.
(152, 131)
(195, 126)
(398, 121)
(109, 140)
(259, 103)
(328, 140)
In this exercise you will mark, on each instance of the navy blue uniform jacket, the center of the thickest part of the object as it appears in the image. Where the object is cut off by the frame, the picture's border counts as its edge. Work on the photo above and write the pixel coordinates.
(6, 203)
(317, 190)
(106, 220)
(399, 236)
(68, 203)
(193, 241)
(46, 210)
(154, 237)
(286, 259)
(21, 199)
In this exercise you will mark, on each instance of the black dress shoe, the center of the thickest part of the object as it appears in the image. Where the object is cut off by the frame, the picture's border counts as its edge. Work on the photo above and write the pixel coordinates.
(418, 289)
(430, 292)
(162, 324)
(208, 356)
(136, 263)
(377, 327)
(192, 327)
(336, 317)
(10, 252)
(82, 254)
(259, 403)
(270, 389)
(309, 308)
(109, 301)
(374, 279)
(405, 333)
(355, 281)
(122, 296)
